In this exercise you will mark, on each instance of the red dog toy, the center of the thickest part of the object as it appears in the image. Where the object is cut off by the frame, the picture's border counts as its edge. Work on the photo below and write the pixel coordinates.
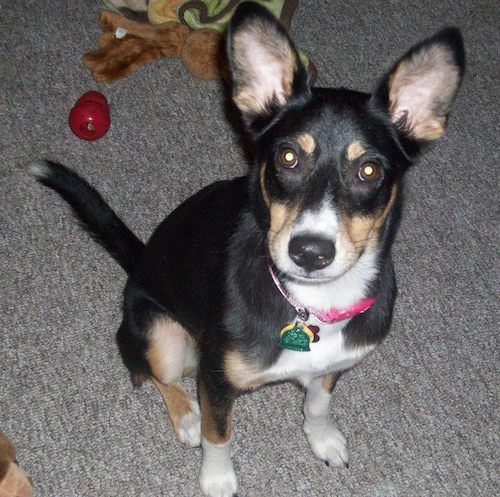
(89, 119)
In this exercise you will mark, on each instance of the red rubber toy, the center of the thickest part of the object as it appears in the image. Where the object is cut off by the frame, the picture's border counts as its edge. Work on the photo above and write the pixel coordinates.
(90, 119)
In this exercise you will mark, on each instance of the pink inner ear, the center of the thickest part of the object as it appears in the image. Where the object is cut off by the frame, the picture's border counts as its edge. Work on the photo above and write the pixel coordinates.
(267, 62)
(421, 91)
(268, 74)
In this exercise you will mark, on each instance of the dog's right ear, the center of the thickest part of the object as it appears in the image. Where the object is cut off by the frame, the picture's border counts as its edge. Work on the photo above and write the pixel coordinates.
(265, 68)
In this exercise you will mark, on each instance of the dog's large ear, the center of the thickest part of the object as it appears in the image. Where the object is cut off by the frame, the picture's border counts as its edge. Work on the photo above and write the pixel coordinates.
(265, 68)
(419, 91)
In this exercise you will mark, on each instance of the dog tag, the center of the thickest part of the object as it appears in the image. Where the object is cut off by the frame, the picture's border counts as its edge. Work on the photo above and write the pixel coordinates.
(296, 336)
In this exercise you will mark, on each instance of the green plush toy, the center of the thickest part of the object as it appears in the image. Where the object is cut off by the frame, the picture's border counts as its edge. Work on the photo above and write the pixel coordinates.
(216, 14)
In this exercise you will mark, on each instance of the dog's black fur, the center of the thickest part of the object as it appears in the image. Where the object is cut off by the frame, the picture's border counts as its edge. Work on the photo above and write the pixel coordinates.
(206, 265)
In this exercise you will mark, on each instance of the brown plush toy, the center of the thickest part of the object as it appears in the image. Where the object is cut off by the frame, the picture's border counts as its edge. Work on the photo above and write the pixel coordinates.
(200, 51)
(13, 480)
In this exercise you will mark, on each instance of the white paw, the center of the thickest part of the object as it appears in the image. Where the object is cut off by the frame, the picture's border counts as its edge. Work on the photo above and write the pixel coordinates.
(217, 476)
(189, 430)
(327, 443)
(218, 484)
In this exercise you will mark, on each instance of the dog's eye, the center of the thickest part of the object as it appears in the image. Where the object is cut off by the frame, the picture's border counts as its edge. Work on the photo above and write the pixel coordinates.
(287, 157)
(369, 172)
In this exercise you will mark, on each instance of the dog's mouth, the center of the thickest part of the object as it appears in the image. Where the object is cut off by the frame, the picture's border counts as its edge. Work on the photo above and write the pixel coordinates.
(300, 277)
(308, 279)
(318, 277)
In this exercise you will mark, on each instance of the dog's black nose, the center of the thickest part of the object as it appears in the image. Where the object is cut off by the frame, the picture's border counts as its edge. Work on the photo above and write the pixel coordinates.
(311, 253)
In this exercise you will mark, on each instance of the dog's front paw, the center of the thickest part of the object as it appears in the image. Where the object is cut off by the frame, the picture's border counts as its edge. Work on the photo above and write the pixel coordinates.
(218, 484)
(217, 476)
(327, 443)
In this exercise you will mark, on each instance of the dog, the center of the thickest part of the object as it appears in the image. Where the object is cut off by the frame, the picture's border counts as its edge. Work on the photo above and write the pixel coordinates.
(285, 273)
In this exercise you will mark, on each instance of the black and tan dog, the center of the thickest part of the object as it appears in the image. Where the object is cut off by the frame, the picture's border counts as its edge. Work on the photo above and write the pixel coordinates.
(286, 273)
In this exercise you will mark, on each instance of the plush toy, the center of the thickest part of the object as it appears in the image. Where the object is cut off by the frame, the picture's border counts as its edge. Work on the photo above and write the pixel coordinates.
(213, 14)
(189, 29)
(13, 480)
(120, 56)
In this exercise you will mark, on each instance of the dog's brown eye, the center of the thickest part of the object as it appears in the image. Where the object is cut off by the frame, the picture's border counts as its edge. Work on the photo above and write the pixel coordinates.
(288, 158)
(369, 172)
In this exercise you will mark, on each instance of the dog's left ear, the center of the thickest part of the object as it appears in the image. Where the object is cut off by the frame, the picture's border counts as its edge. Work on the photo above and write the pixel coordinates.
(419, 91)
(266, 70)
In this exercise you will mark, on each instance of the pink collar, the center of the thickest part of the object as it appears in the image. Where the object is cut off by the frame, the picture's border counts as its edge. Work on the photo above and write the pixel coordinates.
(332, 315)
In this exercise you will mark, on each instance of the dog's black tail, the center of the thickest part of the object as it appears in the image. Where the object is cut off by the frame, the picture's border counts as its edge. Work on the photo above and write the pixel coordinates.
(92, 212)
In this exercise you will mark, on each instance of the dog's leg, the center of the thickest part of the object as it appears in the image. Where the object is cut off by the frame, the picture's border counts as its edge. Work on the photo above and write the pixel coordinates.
(325, 440)
(172, 353)
(183, 411)
(217, 476)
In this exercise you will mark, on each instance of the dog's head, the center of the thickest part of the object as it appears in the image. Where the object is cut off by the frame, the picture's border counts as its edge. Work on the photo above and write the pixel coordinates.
(330, 161)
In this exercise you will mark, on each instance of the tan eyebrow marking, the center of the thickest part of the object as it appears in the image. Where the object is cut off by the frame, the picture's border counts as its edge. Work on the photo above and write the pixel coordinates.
(307, 143)
(355, 150)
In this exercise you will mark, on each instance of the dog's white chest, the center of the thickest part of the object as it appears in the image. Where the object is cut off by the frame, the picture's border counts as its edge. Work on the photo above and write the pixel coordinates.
(327, 355)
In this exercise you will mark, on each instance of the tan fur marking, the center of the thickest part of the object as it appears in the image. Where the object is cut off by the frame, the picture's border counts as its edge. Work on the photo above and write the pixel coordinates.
(355, 150)
(171, 350)
(242, 374)
(362, 231)
(177, 400)
(167, 350)
(328, 381)
(282, 219)
(380, 220)
(208, 416)
(307, 143)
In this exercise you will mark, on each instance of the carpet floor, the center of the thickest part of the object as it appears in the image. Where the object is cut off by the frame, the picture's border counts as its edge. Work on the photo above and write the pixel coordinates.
(420, 414)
